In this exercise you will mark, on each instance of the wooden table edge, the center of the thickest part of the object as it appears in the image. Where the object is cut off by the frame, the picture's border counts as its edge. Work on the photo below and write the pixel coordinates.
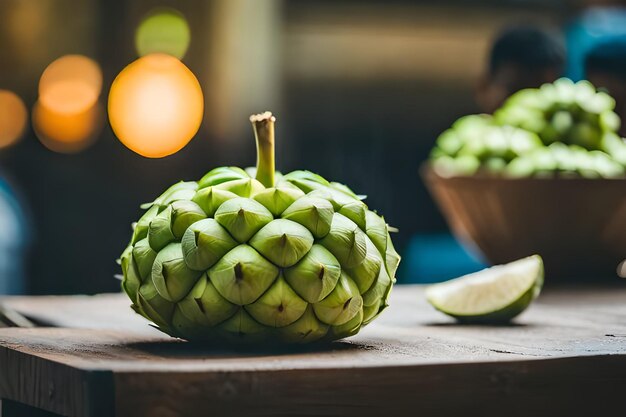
(80, 391)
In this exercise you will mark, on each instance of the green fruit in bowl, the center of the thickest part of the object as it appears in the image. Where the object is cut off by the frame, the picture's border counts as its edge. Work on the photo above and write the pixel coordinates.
(564, 111)
(561, 129)
(241, 258)
(474, 142)
(615, 147)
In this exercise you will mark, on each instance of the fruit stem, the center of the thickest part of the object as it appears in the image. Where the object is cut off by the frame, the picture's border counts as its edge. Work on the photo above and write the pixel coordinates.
(263, 125)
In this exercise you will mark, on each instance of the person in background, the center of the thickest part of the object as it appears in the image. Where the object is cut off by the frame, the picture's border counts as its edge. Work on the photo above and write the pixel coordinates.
(14, 241)
(605, 68)
(520, 57)
(597, 23)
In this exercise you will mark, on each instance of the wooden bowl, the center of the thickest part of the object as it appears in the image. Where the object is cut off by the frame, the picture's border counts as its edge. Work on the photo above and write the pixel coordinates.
(577, 225)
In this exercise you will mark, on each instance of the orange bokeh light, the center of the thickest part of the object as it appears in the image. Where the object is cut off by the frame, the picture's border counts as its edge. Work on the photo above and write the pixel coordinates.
(13, 117)
(67, 132)
(70, 84)
(155, 105)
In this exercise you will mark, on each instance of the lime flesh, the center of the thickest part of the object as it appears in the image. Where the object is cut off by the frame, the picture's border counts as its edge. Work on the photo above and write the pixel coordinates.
(493, 295)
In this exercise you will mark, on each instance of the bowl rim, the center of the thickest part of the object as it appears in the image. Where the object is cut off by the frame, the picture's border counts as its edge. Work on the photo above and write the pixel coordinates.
(428, 172)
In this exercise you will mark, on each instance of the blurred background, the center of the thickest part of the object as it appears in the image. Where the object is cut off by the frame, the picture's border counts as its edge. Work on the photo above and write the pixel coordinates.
(361, 89)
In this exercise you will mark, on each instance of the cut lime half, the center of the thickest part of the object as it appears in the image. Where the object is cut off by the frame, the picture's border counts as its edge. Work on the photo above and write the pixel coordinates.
(496, 294)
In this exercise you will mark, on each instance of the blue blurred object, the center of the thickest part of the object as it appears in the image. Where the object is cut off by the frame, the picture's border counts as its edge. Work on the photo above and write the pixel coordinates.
(14, 241)
(435, 258)
(595, 26)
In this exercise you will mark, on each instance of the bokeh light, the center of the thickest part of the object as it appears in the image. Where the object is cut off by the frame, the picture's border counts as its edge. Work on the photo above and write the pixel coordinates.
(67, 132)
(67, 117)
(163, 31)
(155, 105)
(13, 117)
(70, 84)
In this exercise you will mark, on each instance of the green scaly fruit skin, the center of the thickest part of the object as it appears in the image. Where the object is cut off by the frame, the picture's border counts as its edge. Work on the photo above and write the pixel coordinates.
(276, 259)
(506, 314)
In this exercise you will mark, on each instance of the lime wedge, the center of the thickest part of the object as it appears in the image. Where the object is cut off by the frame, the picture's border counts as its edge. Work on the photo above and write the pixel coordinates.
(496, 294)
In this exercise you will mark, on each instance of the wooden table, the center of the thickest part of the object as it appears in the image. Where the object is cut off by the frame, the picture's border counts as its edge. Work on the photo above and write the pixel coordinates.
(565, 356)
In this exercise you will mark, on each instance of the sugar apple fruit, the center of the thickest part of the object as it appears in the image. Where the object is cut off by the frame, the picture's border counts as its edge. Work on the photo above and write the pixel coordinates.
(255, 256)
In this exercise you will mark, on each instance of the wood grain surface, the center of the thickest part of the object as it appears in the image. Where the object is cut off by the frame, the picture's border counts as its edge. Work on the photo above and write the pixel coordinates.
(565, 356)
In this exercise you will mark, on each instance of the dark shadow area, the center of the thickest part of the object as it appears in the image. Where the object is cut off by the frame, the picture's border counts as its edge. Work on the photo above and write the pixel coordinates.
(477, 325)
(177, 348)
(15, 409)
